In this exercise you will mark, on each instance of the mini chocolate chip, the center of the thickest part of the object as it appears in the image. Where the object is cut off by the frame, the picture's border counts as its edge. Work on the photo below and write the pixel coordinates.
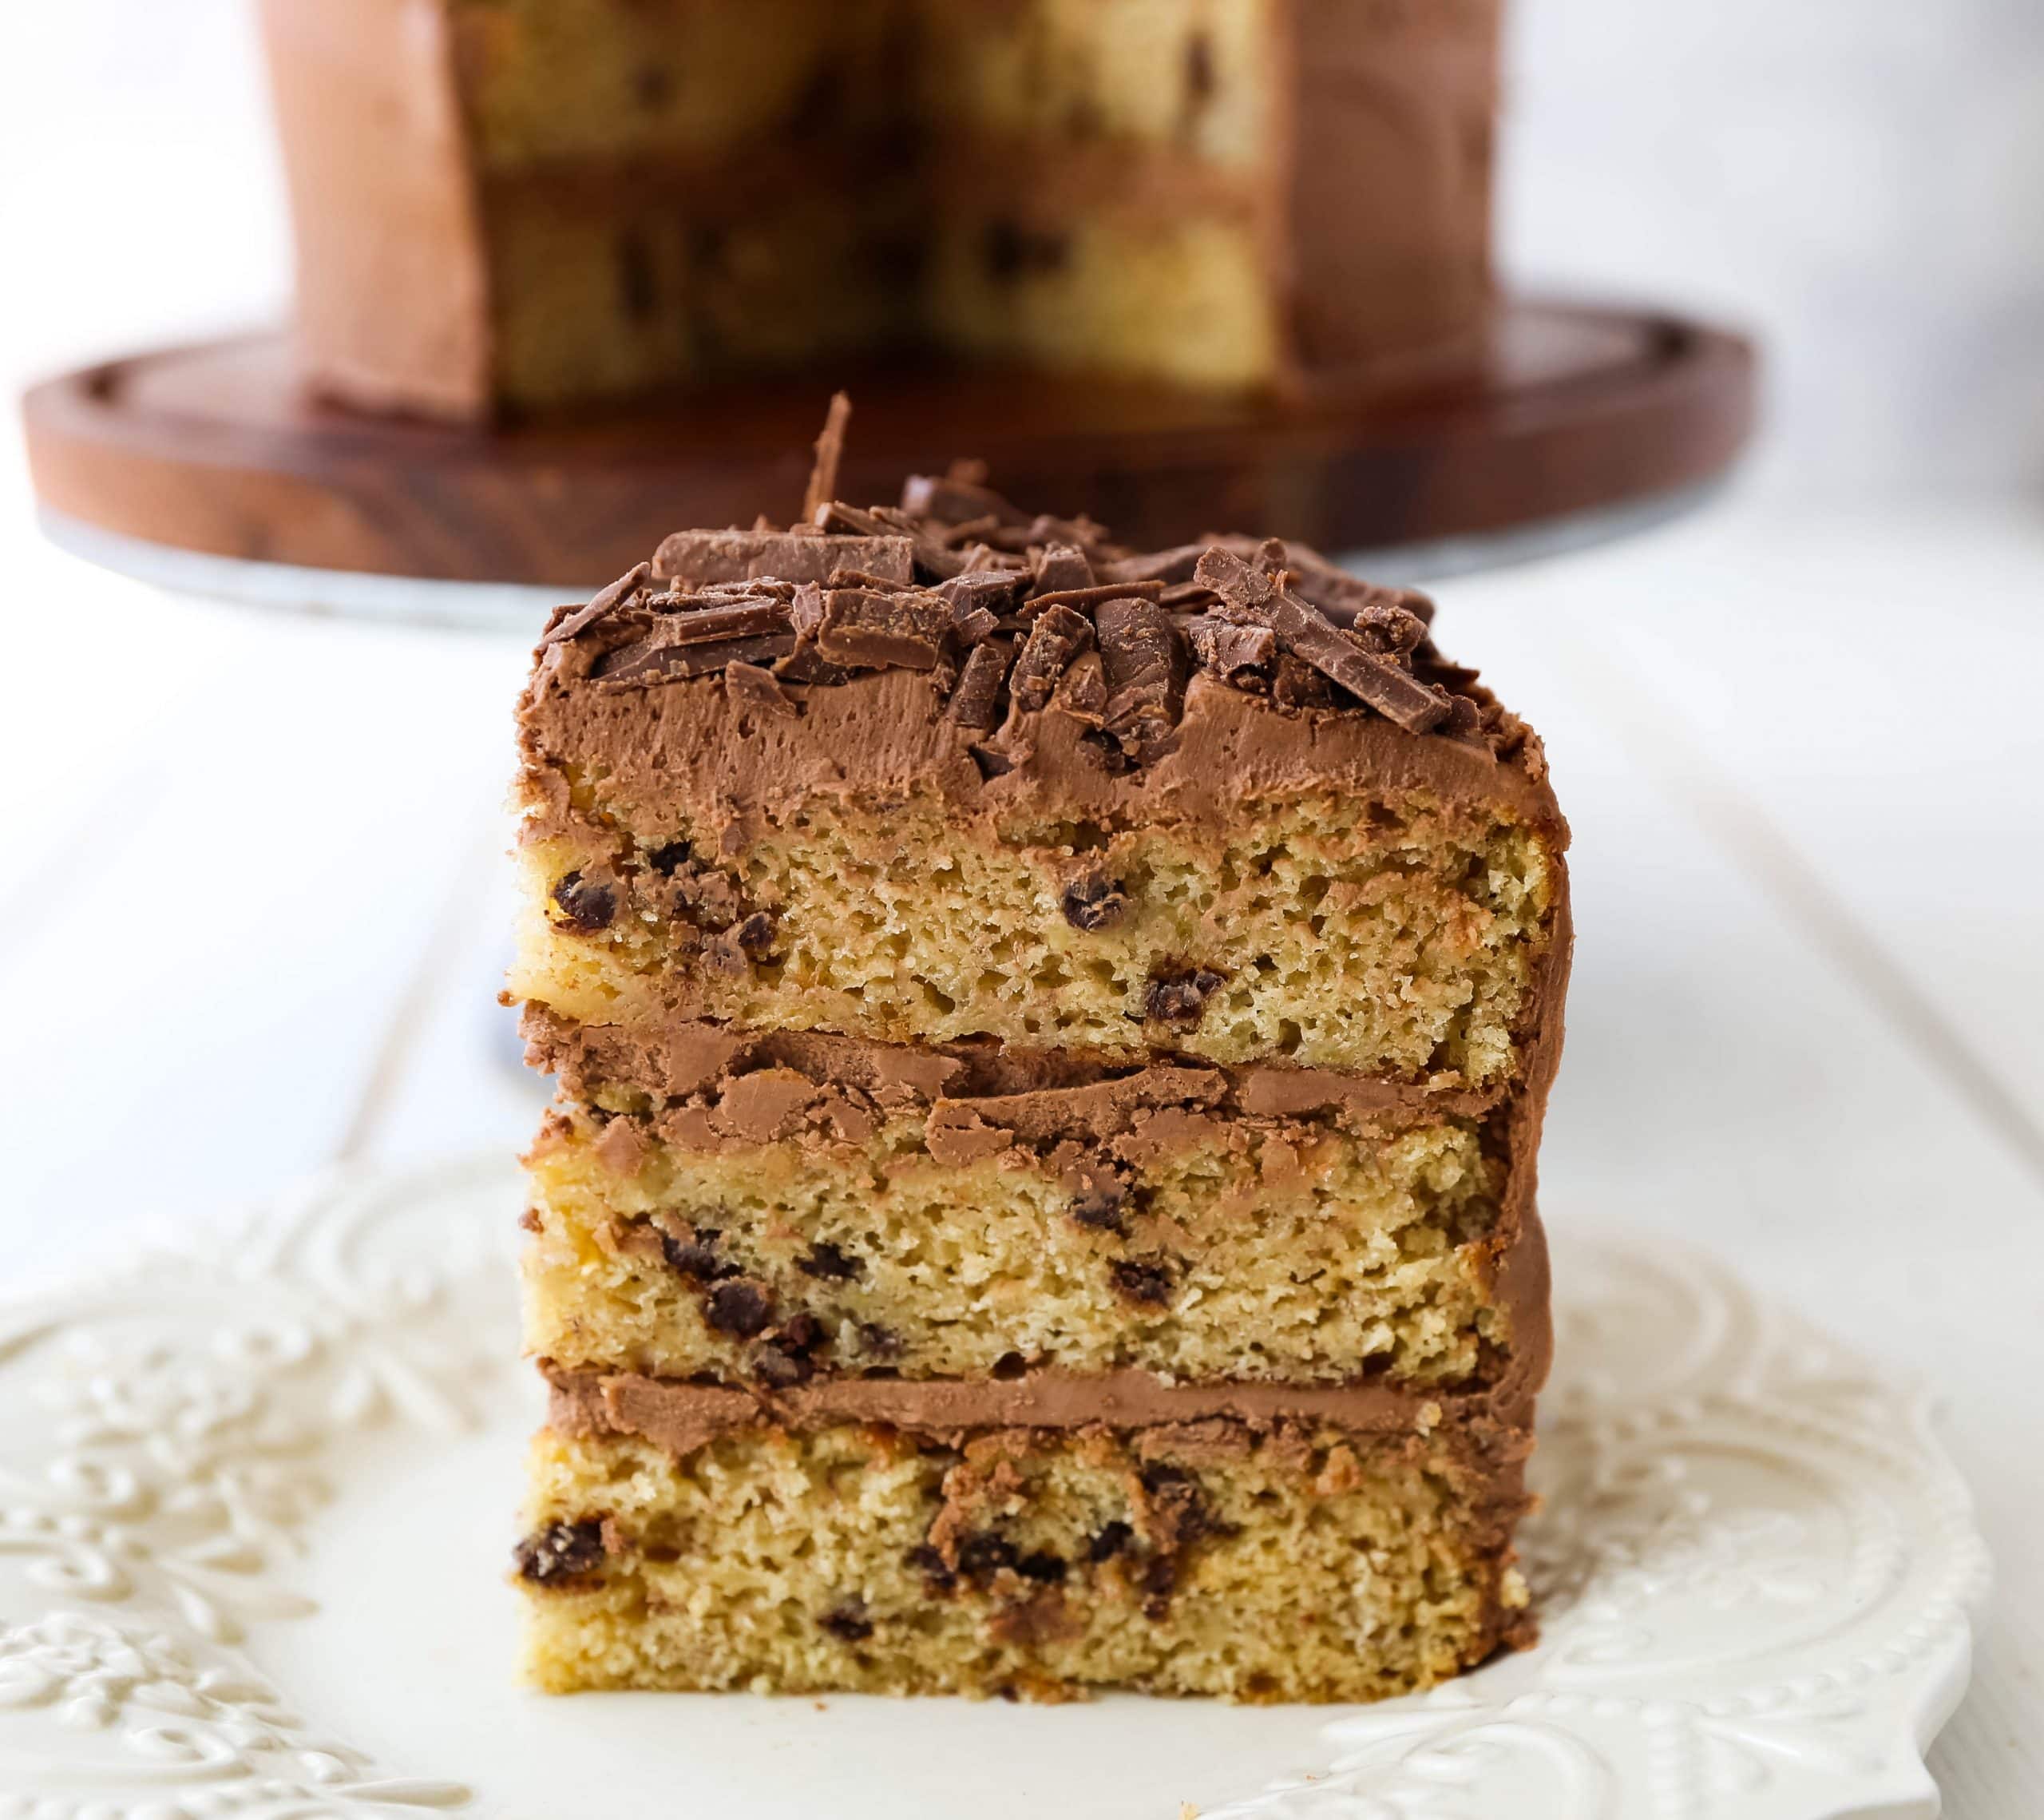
(1102, 1210)
(1160, 1580)
(848, 1622)
(925, 1559)
(1009, 1366)
(878, 1342)
(981, 1558)
(585, 906)
(696, 1258)
(754, 936)
(561, 1551)
(1180, 1510)
(1148, 1286)
(664, 860)
(1044, 1567)
(740, 1309)
(1092, 904)
(779, 1369)
(1180, 999)
(1111, 1539)
(831, 1263)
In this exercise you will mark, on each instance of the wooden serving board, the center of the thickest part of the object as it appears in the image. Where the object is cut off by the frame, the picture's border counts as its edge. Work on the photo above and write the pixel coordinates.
(216, 448)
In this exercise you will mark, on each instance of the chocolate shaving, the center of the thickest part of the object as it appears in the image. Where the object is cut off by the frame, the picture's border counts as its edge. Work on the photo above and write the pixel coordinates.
(976, 702)
(1145, 666)
(877, 630)
(952, 501)
(1082, 691)
(1228, 649)
(706, 625)
(1105, 591)
(1061, 569)
(829, 453)
(603, 603)
(702, 559)
(640, 665)
(1257, 595)
(1057, 637)
(750, 686)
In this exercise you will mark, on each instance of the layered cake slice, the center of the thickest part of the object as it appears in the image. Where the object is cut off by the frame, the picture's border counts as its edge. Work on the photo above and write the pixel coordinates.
(1051, 1044)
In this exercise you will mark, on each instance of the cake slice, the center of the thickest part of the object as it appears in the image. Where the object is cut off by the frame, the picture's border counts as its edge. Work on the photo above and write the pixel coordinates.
(1051, 1044)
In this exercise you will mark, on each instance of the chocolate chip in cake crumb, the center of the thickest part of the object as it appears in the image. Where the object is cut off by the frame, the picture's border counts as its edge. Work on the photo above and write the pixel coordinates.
(1113, 1537)
(741, 1309)
(1044, 1567)
(830, 1263)
(1146, 1285)
(666, 859)
(980, 1557)
(586, 904)
(1179, 997)
(848, 1622)
(1093, 903)
(1102, 1210)
(694, 1256)
(1009, 1366)
(876, 1342)
(927, 1561)
(561, 1551)
(787, 1356)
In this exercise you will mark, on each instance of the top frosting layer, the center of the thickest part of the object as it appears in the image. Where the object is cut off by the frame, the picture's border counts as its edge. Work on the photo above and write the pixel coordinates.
(1014, 664)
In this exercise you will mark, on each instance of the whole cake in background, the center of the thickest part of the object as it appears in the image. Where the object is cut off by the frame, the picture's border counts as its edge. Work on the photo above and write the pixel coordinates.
(1053, 1042)
(529, 203)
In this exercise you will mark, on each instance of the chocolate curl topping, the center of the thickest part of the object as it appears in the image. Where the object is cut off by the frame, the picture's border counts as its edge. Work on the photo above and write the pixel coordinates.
(1257, 594)
(976, 702)
(605, 602)
(1144, 661)
(1057, 637)
(829, 453)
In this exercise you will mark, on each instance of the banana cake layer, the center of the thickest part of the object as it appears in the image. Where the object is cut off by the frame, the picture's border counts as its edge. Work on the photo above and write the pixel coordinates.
(948, 772)
(991, 1540)
(783, 1208)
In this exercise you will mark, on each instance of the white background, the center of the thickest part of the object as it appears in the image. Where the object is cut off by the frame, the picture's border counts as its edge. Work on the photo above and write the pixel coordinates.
(248, 895)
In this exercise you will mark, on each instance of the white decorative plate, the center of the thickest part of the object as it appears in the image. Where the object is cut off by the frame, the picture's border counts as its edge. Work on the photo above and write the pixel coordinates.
(256, 1497)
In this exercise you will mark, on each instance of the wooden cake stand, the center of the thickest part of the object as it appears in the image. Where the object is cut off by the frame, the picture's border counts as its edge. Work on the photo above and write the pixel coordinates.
(207, 469)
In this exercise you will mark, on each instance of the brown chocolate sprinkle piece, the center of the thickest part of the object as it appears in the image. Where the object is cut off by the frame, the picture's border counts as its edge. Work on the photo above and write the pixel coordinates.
(561, 1551)
(1057, 637)
(702, 559)
(848, 1622)
(647, 663)
(741, 1309)
(586, 904)
(882, 631)
(1060, 568)
(952, 501)
(1082, 691)
(1258, 595)
(1228, 649)
(1146, 1285)
(1093, 904)
(830, 453)
(1180, 999)
(832, 1263)
(1145, 674)
(976, 702)
(605, 602)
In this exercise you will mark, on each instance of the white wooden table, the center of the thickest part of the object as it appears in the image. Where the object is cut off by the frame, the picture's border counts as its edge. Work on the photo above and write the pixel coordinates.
(252, 907)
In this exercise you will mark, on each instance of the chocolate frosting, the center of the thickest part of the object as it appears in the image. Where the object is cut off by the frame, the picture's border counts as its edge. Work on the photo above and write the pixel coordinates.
(681, 1418)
